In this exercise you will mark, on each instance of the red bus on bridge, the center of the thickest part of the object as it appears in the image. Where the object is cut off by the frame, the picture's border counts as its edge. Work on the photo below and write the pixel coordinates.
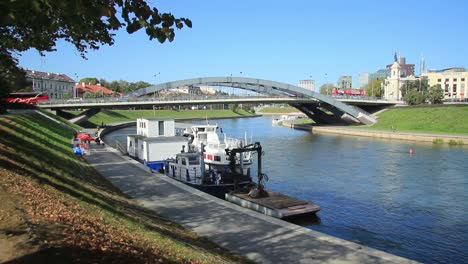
(348, 92)
(26, 97)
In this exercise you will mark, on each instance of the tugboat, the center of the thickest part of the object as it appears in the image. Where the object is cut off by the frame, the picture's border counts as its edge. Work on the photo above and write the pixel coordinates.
(216, 144)
(212, 163)
(190, 168)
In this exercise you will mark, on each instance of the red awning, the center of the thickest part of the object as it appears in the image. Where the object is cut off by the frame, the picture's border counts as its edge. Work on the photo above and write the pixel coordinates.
(84, 136)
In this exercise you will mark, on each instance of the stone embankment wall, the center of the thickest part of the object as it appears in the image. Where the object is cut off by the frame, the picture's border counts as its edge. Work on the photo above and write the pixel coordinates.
(423, 137)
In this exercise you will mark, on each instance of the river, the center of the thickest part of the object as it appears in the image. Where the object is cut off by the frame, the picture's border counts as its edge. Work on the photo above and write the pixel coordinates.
(372, 192)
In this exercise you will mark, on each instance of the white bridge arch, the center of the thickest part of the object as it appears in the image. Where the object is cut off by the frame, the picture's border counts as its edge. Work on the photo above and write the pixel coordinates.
(315, 109)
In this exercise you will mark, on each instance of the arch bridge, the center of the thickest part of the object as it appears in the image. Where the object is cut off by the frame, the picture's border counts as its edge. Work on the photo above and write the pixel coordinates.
(321, 108)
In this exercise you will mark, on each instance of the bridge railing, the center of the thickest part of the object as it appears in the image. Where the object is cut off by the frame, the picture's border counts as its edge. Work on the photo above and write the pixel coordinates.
(149, 99)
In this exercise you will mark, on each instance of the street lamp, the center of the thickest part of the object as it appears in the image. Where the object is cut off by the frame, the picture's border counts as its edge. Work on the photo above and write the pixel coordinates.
(326, 83)
(75, 88)
(154, 93)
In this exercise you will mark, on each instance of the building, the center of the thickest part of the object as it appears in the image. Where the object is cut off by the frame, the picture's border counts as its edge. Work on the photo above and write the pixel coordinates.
(190, 90)
(56, 85)
(405, 69)
(393, 83)
(381, 73)
(363, 79)
(345, 82)
(208, 90)
(307, 84)
(453, 81)
(82, 88)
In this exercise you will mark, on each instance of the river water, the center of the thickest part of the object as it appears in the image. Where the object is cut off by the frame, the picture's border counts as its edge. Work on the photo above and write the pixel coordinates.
(372, 192)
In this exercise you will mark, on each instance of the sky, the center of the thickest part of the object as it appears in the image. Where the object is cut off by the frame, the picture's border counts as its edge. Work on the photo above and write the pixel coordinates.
(284, 41)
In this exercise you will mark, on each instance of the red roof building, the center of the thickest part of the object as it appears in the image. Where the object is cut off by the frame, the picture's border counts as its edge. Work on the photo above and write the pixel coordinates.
(83, 88)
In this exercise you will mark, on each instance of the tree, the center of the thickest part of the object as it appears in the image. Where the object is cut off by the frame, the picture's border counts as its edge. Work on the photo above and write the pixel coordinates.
(374, 87)
(326, 88)
(414, 97)
(415, 92)
(90, 80)
(11, 76)
(435, 94)
(39, 24)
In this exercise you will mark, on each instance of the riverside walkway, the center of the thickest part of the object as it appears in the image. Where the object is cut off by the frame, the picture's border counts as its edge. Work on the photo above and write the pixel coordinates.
(260, 238)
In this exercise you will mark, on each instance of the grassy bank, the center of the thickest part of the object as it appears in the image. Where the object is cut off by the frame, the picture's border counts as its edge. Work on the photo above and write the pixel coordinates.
(56, 209)
(278, 110)
(442, 119)
(113, 116)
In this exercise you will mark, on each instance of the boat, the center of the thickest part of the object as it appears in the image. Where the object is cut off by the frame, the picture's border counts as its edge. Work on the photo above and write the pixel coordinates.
(214, 162)
(217, 178)
(189, 168)
(216, 145)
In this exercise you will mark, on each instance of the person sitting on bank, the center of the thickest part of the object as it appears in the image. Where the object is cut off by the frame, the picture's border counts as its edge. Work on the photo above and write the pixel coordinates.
(98, 141)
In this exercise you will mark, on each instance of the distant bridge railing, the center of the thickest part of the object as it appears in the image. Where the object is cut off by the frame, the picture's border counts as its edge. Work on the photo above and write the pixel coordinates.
(195, 98)
(149, 99)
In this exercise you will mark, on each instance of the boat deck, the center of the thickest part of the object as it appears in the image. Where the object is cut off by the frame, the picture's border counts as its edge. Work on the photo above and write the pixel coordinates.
(276, 204)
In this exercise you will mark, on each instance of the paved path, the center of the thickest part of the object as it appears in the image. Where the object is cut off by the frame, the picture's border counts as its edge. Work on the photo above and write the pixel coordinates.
(260, 238)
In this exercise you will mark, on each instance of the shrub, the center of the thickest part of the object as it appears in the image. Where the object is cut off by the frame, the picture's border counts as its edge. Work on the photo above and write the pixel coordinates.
(438, 141)
(453, 142)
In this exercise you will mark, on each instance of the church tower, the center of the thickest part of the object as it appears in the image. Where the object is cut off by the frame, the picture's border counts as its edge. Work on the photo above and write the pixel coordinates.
(393, 87)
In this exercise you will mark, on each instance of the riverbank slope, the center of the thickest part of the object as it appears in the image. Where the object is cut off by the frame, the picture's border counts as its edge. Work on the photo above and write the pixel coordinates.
(120, 116)
(56, 208)
(435, 124)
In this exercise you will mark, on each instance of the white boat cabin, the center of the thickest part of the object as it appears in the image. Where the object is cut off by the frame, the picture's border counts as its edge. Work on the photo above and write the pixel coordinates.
(155, 127)
(156, 140)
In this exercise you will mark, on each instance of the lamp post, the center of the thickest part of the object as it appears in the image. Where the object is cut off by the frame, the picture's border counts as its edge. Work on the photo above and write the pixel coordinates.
(75, 88)
(326, 83)
(154, 93)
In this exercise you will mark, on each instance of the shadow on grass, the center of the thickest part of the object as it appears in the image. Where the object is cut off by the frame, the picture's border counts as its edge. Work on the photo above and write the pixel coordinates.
(50, 165)
(61, 255)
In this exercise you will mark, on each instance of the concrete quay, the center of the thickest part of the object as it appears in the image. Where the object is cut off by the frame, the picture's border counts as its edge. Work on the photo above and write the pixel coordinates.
(410, 136)
(362, 132)
(261, 238)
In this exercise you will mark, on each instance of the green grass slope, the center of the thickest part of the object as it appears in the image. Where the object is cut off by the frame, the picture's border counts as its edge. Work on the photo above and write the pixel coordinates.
(56, 208)
(428, 119)
(114, 116)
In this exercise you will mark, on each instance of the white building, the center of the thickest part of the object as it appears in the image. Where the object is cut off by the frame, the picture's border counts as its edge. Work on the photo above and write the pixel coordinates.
(191, 90)
(307, 84)
(155, 141)
(364, 78)
(208, 90)
(345, 82)
(56, 85)
(393, 83)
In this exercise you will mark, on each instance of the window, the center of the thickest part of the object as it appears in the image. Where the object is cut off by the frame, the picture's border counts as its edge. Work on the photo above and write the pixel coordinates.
(446, 80)
(194, 160)
(217, 158)
(131, 143)
(161, 128)
(439, 80)
(184, 162)
(462, 79)
(454, 79)
(454, 88)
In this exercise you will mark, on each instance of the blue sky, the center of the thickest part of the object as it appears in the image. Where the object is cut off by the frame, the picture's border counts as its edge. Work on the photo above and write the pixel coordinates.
(283, 41)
